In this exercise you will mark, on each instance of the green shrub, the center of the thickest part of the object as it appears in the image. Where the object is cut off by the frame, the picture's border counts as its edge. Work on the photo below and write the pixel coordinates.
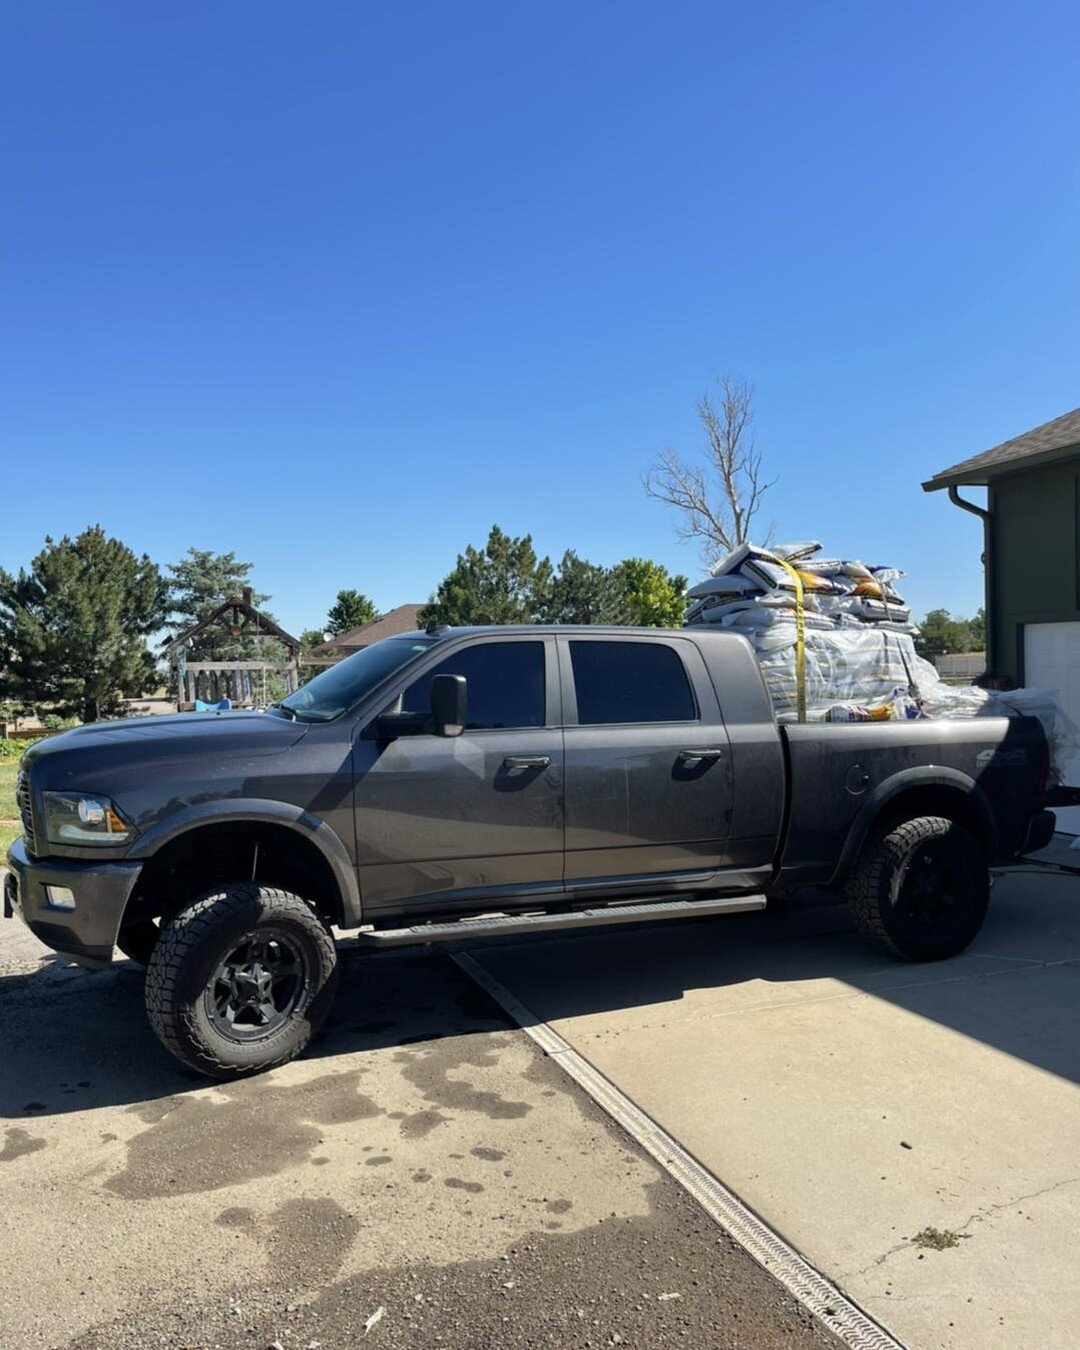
(14, 749)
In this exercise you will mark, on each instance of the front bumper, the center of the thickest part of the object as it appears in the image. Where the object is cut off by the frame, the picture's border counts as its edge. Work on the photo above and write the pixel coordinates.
(85, 934)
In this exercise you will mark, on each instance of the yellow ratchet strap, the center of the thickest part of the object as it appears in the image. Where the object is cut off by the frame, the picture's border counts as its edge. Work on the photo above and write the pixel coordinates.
(800, 638)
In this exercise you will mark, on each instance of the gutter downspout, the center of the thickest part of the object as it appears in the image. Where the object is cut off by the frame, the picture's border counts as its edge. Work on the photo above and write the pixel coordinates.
(987, 519)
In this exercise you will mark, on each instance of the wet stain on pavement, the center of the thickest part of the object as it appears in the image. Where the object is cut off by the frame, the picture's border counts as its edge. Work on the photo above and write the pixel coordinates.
(599, 1286)
(310, 1236)
(150, 1113)
(456, 1184)
(237, 1216)
(421, 1123)
(380, 1160)
(430, 1072)
(488, 1154)
(421, 1175)
(262, 1128)
(559, 1206)
(18, 1143)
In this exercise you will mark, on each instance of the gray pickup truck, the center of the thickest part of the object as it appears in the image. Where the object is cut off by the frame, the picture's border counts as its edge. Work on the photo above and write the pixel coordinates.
(460, 782)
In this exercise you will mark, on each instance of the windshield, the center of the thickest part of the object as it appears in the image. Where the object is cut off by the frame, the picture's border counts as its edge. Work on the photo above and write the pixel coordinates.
(339, 687)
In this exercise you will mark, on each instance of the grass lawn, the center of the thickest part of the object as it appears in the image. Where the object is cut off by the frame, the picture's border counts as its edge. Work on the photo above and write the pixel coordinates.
(9, 812)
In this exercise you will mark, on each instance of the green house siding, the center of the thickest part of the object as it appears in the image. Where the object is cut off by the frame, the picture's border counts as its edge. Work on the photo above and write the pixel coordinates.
(1035, 564)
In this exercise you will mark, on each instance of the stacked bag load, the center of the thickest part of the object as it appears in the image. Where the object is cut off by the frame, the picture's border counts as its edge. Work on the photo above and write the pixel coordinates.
(860, 663)
(838, 591)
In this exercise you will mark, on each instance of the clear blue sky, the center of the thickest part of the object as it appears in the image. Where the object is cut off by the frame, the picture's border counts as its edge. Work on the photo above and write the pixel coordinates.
(338, 285)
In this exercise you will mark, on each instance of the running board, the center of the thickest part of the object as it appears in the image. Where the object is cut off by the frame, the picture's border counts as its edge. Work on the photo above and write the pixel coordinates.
(646, 911)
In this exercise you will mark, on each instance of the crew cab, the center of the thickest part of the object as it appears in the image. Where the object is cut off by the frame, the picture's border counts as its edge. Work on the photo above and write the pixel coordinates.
(460, 782)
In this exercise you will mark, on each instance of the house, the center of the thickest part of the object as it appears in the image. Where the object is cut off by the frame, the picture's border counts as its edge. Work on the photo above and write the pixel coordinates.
(402, 619)
(1031, 557)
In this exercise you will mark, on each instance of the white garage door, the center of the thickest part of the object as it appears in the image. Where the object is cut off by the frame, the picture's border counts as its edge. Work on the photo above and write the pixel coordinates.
(1052, 661)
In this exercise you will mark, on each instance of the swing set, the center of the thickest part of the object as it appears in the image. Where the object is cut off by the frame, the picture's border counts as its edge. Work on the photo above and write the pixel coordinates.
(244, 683)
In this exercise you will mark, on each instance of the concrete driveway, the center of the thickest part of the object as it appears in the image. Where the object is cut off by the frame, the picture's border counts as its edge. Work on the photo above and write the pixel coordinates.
(423, 1177)
(913, 1130)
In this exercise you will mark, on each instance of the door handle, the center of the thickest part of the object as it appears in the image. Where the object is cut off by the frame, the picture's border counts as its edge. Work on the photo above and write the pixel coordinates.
(692, 756)
(512, 762)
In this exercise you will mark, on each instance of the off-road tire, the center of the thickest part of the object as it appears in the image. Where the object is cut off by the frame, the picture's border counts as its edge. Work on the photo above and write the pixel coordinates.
(138, 940)
(920, 888)
(188, 954)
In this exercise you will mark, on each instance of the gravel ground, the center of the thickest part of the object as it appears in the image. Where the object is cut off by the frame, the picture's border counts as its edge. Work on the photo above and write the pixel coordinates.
(668, 1279)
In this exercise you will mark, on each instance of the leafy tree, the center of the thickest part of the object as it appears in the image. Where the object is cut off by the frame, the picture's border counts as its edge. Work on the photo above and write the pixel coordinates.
(582, 592)
(350, 610)
(650, 595)
(73, 628)
(312, 637)
(941, 634)
(200, 582)
(503, 582)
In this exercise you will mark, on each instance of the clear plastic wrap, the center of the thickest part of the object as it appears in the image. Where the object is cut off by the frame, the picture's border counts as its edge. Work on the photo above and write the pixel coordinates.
(859, 654)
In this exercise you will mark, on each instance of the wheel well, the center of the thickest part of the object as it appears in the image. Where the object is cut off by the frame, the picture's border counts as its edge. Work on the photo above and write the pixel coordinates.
(927, 799)
(938, 799)
(211, 855)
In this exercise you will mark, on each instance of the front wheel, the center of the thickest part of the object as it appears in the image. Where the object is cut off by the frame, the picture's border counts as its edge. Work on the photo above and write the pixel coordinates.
(241, 980)
(920, 888)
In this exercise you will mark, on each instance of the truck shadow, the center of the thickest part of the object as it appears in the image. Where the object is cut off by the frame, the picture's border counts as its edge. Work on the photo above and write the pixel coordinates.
(77, 1040)
(1017, 988)
(74, 1040)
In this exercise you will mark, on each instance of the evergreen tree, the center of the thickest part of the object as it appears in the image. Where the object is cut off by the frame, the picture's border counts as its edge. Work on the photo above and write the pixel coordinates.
(351, 609)
(73, 628)
(583, 592)
(503, 582)
(200, 582)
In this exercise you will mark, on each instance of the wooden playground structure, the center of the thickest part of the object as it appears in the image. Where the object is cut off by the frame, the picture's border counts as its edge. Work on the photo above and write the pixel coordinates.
(243, 683)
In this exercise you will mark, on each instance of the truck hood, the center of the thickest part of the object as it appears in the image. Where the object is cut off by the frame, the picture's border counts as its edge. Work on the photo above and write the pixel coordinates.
(74, 758)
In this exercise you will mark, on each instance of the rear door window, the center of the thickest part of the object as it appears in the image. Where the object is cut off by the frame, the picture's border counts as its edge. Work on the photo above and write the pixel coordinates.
(630, 682)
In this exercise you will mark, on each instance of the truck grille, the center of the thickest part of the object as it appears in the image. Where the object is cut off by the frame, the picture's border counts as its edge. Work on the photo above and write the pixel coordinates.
(22, 797)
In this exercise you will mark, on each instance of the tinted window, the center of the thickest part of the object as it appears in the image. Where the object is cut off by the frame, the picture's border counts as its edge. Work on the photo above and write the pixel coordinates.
(339, 687)
(506, 684)
(630, 682)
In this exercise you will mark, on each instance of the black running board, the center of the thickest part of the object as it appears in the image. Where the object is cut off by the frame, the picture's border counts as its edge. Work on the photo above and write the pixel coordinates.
(500, 925)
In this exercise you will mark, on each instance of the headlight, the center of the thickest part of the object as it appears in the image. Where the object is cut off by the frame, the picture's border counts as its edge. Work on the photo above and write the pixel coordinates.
(81, 818)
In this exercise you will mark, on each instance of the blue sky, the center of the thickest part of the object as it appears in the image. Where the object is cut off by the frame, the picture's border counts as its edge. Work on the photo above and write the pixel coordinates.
(338, 285)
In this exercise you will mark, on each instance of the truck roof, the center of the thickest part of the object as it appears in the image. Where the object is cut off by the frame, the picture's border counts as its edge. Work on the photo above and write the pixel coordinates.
(607, 629)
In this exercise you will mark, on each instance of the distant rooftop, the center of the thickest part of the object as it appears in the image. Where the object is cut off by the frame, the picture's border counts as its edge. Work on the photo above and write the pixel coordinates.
(1043, 445)
(402, 619)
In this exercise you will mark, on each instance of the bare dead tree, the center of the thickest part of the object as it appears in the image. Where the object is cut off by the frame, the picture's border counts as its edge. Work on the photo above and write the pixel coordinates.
(718, 500)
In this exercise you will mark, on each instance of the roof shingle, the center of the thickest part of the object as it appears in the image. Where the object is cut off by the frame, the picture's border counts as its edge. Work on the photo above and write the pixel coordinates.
(1041, 442)
(401, 619)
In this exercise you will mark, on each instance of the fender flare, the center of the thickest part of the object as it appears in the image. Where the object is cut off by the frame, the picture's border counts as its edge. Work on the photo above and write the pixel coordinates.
(262, 811)
(939, 776)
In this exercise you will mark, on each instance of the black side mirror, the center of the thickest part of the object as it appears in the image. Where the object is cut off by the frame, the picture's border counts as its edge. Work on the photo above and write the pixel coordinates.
(448, 704)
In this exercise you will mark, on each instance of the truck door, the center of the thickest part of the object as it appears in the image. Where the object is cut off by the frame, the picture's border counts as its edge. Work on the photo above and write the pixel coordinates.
(448, 821)
(649, 785)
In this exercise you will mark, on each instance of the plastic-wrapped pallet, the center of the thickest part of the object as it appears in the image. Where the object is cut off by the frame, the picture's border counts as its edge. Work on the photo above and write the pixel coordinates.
(860, 664)
(860, 661)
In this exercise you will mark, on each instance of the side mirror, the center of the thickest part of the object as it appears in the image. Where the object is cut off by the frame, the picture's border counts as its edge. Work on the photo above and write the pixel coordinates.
(448, 704)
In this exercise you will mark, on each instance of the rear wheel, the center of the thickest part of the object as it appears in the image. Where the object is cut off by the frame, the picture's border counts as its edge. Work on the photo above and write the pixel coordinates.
(241, 980)
(920, 888)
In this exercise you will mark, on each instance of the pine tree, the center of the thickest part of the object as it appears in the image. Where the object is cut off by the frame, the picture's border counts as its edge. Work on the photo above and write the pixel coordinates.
(200, 582)
(73, 628)
(503, 582)
(350, 610)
